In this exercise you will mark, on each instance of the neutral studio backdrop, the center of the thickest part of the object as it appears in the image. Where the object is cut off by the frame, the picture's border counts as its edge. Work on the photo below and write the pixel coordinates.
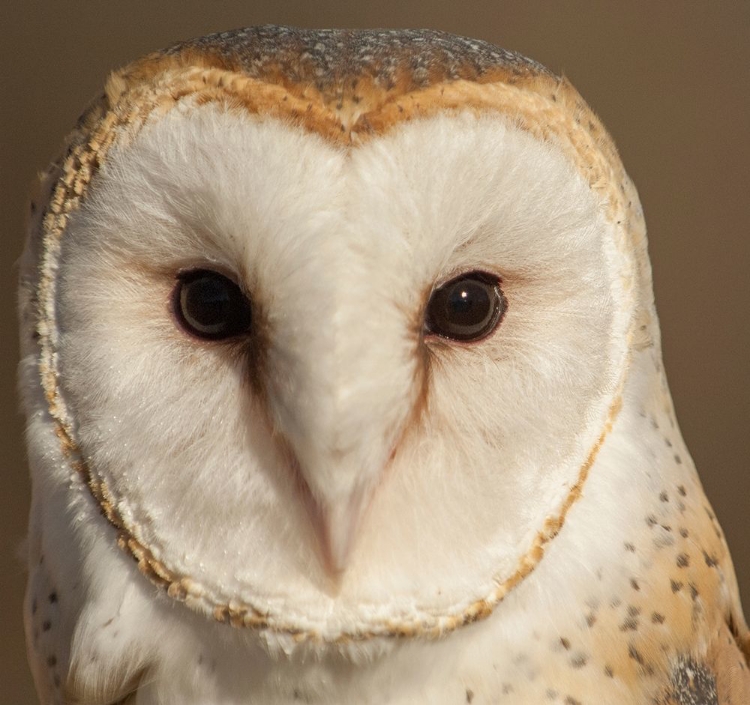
(670, 80)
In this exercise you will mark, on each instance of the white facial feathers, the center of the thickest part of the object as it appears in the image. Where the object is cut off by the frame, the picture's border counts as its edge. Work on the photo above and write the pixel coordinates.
(393, 436)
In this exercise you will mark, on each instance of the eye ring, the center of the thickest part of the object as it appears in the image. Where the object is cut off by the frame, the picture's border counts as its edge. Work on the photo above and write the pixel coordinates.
(210, 306)
(467, 308)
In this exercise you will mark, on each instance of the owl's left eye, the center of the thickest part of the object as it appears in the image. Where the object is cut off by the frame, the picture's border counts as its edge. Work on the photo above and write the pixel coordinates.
(467, 308)
(210, 305)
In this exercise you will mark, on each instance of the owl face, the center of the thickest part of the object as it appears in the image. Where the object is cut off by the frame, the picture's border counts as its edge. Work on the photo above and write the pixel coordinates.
(333, 458)
(332, 355)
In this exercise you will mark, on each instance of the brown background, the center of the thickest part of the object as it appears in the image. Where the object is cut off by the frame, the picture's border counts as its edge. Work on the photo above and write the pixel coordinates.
(671, 81)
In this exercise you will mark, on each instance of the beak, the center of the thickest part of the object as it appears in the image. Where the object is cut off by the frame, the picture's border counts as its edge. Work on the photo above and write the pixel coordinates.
(337, 525)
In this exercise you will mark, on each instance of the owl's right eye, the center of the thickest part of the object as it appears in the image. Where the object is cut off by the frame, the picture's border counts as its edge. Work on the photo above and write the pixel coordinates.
(211, 306)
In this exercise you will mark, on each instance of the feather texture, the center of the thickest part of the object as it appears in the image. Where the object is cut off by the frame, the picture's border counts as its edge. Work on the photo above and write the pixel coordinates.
(520, 516)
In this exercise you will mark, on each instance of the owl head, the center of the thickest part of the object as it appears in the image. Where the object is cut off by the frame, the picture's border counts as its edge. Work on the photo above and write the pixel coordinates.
(325, 329)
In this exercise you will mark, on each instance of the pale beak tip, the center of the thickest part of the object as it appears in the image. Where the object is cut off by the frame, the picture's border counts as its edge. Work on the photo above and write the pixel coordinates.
(338, 551)
(339, 527)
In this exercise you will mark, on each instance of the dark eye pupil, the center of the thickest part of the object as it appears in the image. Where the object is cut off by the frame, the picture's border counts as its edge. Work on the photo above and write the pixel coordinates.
(468, 303)
(466, 308)
(211, 306)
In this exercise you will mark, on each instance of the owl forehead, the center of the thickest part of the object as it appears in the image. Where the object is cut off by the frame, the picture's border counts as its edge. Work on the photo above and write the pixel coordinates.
(336, 66)
(265, 200)
(347, 86)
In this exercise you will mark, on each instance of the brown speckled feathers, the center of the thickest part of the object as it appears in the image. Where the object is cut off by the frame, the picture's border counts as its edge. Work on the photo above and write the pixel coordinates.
(335, 61)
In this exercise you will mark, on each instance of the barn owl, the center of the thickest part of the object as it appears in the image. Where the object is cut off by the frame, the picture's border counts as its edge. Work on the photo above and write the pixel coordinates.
(344, 385)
